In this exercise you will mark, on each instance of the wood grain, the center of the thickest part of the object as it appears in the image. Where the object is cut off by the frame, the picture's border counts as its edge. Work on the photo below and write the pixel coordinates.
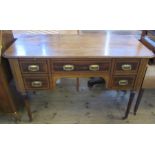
(78, 46)
(15, 67)
(141, 74)
(8, 102)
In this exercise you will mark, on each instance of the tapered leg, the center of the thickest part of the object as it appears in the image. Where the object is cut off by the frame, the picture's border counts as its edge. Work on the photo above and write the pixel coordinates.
(131, 97)
(27, 106)
(140, 94)
(77, 84)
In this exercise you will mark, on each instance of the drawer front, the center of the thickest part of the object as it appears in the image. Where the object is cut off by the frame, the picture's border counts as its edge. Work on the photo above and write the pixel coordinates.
(35, 83)
(123, 82)
(126, 66)
(33, 66)
(81, 66)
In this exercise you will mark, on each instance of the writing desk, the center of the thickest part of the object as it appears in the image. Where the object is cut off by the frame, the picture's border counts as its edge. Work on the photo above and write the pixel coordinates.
(38, 61)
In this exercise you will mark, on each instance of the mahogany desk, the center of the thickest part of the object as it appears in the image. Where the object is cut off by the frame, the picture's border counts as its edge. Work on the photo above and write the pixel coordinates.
(38, 61)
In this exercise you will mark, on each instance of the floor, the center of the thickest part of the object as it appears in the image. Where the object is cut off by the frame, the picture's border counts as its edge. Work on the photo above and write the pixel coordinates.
(65, 105)
(97, 105)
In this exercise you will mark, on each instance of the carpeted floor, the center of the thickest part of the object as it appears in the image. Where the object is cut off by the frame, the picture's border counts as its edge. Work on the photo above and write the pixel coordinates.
(97, 105)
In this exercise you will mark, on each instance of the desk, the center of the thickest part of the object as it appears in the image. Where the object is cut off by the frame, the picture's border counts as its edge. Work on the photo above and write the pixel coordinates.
(37, 62)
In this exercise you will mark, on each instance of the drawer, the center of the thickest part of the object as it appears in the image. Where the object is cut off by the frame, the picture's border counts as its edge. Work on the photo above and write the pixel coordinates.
(35, 83)
(33, 66)
(70, 66)
(126, 66)
(123, 82)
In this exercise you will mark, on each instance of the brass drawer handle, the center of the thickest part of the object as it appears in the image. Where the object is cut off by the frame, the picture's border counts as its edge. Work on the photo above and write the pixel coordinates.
(123, 82)
(33, 68)
(68, 67)
(36, 84)
(94, 67)
(126, 67)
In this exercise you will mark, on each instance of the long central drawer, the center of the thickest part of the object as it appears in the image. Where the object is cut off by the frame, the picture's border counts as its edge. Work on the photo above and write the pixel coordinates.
(81, 66)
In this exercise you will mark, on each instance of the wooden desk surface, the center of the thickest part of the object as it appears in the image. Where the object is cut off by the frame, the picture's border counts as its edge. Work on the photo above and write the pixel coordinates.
(77, 46)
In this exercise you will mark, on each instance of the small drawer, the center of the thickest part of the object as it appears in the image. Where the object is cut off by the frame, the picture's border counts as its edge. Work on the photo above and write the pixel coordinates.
(126, 66)
(35, 83)
(123, 82)
(81, 66)
(33, 66)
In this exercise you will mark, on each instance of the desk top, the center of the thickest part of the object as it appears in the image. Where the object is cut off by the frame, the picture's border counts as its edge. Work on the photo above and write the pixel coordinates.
(78, 46)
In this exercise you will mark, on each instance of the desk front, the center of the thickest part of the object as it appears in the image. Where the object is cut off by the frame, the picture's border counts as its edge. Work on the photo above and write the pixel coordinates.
(37, 62)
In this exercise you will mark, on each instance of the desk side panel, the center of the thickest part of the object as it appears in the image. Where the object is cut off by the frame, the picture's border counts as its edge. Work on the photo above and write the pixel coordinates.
(15, 67)
(141, 74)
